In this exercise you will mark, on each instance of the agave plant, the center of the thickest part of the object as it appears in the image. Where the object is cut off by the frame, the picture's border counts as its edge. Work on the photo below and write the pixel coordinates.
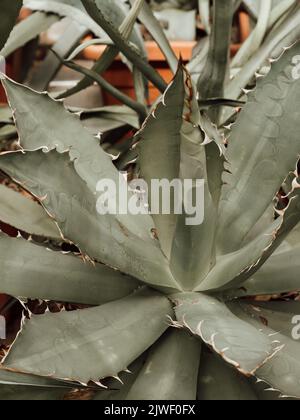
(171, 309)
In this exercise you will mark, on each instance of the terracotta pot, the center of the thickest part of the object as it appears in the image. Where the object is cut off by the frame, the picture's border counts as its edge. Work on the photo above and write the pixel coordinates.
(244, 31)
(119, 75)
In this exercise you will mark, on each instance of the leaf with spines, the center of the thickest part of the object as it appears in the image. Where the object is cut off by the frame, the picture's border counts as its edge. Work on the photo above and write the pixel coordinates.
(25, 214)
(239, 344)
(282, 371)
(31, 271)
(261, 156)
(111, 337)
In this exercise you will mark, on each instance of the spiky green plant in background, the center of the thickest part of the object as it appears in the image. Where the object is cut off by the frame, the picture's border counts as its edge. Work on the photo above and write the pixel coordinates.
(168, 301)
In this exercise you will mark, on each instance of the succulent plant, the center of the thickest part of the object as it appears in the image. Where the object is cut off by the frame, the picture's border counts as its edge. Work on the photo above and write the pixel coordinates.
(172, 313)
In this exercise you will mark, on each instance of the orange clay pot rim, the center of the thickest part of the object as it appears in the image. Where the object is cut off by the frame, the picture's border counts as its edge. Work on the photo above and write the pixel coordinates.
(183, 48)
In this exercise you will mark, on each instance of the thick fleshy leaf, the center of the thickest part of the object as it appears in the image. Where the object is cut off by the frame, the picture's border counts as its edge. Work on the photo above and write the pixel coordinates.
(220, 382)
(231, 267)
(239, 344)
(25, 214)
(260, 158)
(28, 29)
(154, 28)
(212, 78)
(215, 167)
(44, 123)
(253, 43)
(132, 54)
(279, 275)
(282, 371)
(120, 113)
(118, 388)
(9, 14)
(31, 271)
(193, 253)
(277, 41)
(170, 371)
(265, 393)
(42, 74)
(266, 220)
(277, 315)
(52, 177)
(293, 238)
(115, 12)
(20, 387)
(172, 154)
(109, 337)
(69, 8)
(260, 250)
(58, 129)
(204, 9)
(110, 53)
(108, 87)
(159, 152)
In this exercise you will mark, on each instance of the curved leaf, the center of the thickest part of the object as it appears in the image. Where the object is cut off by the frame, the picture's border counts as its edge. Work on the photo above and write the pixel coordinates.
(20, 387)
(69, 8)
(170, 371)
(116, 93)
(44, 123)
(170, 148)
(25, 214)
(290, 26)
(231, 266)
(254, 41)
(220, 382)
(28, 29)
(282, 371)
(120, 113)
(259, 250)
(110, 53)
(116, 389)
(159, 151)
(193, 253)
(211, 80)
(52, 177)
(124, 46)
(204, 9)
(31, 271)
(238, 343)
(110, 337)
(41, 75)
(279, 275)
(260, 158)
(9, 14)
(153, 26)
